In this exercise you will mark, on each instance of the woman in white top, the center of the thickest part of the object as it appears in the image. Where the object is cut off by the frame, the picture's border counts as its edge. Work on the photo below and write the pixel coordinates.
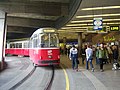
(89, 57)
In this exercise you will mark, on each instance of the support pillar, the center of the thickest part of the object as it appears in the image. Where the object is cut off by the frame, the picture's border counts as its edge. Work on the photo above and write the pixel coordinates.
(79, 43)
(2, 37)
(64, 43)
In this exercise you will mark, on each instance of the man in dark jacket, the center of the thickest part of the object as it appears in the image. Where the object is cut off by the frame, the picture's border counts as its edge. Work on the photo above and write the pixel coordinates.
(83, 54)
(115, 53)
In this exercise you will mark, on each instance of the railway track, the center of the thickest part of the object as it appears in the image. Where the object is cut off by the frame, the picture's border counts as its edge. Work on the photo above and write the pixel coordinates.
(23, 80)
(47, 86)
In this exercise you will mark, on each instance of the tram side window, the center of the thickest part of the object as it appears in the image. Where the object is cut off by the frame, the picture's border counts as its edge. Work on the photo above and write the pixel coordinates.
(30, 43)
(35, 43)
(26, 45)
(12, 45)
(18, 45)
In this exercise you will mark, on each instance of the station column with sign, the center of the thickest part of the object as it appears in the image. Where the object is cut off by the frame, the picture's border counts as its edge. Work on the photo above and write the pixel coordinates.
(64, 43)
(79, 43)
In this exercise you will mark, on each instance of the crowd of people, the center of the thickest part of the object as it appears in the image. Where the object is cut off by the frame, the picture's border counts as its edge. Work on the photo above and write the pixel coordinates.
(102, 54)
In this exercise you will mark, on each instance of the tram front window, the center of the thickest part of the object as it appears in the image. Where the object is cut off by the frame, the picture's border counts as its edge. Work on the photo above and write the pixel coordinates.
(45, 40)
(48, 40)
(53, 40)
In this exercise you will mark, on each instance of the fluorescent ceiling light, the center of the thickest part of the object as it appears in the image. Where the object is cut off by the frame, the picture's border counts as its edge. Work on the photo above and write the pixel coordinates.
(113, 23)
(92, 20)
(90, 24)
(82, 21)
(73, 30)
(101, 8)
(72, 27)
(111, 20)
(76, 24)
(101, 15)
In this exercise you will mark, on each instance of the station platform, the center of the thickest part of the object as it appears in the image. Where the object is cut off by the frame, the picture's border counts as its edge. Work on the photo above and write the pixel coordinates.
(81, 80)
(88, 80)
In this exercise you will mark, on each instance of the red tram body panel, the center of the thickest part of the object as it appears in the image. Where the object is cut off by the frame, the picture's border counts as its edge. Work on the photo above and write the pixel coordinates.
(6, 51)
(17, 51)
(45, 56)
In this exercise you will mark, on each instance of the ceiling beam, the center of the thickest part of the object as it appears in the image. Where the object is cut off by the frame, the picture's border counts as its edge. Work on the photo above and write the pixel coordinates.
(42, 8)
(26, 22)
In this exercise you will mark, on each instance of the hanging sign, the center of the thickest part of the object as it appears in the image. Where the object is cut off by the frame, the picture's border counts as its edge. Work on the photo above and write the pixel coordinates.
(114, 28)
(97, 22)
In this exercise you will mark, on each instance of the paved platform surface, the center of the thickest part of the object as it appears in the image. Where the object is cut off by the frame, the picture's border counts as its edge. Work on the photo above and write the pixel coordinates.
(17, 69)
(107, 80)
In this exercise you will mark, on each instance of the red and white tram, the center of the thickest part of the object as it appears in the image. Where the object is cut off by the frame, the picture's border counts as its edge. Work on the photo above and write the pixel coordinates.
(18, 48)
(43, 47)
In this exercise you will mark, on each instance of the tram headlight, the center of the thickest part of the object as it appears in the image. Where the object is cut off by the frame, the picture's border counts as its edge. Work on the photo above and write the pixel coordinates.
(58, 56)
(49, 56)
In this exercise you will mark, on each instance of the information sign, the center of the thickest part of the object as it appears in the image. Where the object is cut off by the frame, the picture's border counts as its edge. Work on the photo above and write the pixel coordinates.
(97, 22)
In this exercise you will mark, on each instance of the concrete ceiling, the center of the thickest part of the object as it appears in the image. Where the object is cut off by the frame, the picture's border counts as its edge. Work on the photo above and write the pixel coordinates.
(25, 16)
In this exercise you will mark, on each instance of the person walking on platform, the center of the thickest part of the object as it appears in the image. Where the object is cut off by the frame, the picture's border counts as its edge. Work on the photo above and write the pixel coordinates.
(68, 51)
(102, 55)
(115, 54)
(96, 54)
(110, 54)
(74, 57)
(83, 54)
(89, 57)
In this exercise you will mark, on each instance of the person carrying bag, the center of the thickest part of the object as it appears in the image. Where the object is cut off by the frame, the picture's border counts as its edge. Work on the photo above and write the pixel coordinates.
(102, 55)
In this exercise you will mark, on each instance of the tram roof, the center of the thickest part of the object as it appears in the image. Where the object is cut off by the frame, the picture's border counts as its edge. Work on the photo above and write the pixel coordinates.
(44, 30)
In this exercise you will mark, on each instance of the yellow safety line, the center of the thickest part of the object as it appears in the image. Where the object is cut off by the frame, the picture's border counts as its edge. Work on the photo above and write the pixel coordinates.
(66, 77)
